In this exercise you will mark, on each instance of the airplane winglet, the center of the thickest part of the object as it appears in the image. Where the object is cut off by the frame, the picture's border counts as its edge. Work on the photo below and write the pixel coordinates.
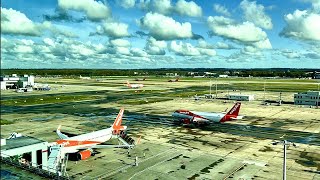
(138, 141)
(60, 134)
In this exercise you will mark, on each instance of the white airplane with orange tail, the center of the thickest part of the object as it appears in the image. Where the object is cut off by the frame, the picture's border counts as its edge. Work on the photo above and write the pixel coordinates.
(134, 85)
(84, 144)
(195, 117)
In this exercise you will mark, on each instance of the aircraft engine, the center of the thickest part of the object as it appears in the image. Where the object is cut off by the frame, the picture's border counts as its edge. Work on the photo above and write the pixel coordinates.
(186, 121)
(83, 155)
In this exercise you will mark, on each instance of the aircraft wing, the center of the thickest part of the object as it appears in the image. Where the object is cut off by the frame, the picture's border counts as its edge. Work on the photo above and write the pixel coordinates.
(237, 118)
(197, 120)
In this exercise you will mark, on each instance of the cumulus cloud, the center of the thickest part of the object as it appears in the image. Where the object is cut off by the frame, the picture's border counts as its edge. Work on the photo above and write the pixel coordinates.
(302, 25)
(222, 45)
(221, 9)
(126, 3)
(166, 7)
(154, 47)
(219, 45)
(183, 49)
(250, 50)
(245, 32)
(263, 44)
(254, 12)
(165, 28)
(69, 51)
(62, 15)
(17, 23)
(119, 42)
(186, 49)
(290, 54)
(113, 29)
(208, 52)
(95, 10)
(315, 4)
(312, 55)
(138, 52)
(188, 8)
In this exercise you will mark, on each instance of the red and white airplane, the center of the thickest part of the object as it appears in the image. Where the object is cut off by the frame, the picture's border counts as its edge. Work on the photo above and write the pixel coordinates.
(83, 144)
(134, 86)
(188, 117)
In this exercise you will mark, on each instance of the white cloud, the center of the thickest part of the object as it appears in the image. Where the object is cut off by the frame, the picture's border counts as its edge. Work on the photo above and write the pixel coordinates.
(119, 42)
(23, 49)
(263, 44)
(165, 28)
(113, 29)
(222, 45)
(126, 3)
(161, 6)
(254, 12)
(209, 52)
(221, 9)
(49, 41)
(186, 49)
(312, 55)
(119, 50)
(290, 54)
(138, 52)
(154, 47)
(188, 8)
(81, 49)
(166, 7)
(95, 10)
(246, 32)
(250, 50)
(15, 22)
(315, 4)
(183, 49)
(302, 25)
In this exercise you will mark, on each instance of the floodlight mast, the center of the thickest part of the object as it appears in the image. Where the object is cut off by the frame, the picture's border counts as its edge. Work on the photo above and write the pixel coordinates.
(285, 144)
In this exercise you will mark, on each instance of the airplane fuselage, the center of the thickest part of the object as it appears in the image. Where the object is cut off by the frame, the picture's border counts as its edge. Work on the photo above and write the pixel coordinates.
(73, 144)
(198, 116)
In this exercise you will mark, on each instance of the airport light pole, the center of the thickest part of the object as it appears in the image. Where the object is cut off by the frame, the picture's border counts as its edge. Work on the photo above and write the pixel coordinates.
(264, 91)
(216, 89)
(285, 143)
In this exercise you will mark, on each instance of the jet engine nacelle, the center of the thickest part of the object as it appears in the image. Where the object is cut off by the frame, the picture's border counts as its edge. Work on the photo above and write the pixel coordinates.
(83, 155)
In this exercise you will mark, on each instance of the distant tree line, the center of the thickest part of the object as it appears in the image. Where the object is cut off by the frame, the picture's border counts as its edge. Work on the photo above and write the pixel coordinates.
(290, 73)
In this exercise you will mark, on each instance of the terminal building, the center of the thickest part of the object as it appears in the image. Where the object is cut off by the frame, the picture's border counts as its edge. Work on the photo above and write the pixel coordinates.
(15, 82)
(241, 97)
(310, 98)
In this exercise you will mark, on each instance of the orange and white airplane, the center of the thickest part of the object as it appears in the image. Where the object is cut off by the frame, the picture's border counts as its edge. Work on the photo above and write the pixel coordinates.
(195, 117)
(134, 86)
(84, 144)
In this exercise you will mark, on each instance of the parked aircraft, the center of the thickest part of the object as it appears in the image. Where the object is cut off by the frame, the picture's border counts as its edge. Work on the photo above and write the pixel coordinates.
(137, 79)
(195, 117)
(84, 144)
(173, 80)
(134, 85)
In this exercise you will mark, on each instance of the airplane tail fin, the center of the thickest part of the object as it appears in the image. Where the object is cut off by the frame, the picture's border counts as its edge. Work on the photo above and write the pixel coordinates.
(128, 84)
(116, 126)
(235, 109)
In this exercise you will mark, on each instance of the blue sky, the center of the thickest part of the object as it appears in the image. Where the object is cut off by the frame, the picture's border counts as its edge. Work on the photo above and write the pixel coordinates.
(160, 34)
